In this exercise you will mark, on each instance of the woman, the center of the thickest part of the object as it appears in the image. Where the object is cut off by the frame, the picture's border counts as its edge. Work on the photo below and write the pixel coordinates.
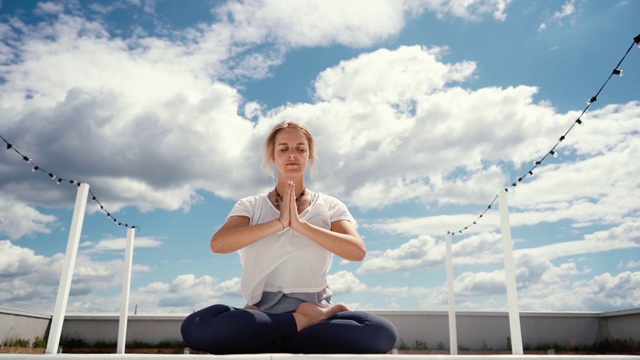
(286, 240)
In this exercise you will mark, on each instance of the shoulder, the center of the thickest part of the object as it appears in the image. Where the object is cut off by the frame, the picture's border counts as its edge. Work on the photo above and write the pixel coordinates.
(337, 210)
(248, 205)
(328, 199)
(253, 199)
(332, 203)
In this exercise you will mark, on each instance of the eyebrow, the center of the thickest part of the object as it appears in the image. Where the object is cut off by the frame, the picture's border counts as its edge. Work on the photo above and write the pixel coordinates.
(301, 143)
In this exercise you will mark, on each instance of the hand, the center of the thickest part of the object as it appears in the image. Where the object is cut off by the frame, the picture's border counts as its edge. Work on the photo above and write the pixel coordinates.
(285, 208)
(294, 218)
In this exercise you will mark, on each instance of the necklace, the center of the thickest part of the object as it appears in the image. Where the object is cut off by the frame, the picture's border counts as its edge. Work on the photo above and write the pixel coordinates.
(278, 196)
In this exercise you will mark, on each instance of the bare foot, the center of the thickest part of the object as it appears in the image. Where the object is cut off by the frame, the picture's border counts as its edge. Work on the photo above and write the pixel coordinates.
(308, 314)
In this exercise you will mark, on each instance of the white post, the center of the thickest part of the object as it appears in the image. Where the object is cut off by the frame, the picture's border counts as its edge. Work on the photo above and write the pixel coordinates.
(126, 286)
(67, 269)
(510, 276)
(453, 332)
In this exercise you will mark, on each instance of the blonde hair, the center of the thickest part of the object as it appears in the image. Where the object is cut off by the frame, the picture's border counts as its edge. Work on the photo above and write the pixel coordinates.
(270, 145)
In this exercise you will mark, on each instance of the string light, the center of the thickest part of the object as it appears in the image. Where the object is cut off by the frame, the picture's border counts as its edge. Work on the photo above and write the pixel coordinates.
(59, 180)
(616, 71)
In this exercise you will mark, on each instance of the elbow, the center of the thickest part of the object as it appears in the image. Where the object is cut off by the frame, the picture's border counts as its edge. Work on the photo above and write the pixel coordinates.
(216, 247)
(358, 255)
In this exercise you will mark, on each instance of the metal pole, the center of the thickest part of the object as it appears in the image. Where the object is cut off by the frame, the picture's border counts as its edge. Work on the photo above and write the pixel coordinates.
(510, 276)
(453, 333)
(126, 286)
(67, 269)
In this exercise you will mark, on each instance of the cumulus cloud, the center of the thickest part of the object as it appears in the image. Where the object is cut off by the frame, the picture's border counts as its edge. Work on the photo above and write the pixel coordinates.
(18, 219)
(185, 293)
(32, 280)
(124, 121)
(345, 282)
(294, 23)
(153, 120)
(419, 252)
(487, 248)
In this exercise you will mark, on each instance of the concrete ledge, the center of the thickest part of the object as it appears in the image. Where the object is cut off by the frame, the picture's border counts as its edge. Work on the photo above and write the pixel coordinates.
(477, 330)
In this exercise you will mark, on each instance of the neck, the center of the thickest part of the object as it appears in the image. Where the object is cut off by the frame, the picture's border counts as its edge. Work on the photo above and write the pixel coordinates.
(281, 186)
(298, 196)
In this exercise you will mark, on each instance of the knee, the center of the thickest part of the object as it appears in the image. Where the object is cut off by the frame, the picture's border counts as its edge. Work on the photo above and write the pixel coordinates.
(189, 330)
(381, 334)
(198, 328)
(385, 333)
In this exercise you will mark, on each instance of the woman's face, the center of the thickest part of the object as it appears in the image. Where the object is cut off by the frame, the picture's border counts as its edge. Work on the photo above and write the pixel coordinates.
(291, 152)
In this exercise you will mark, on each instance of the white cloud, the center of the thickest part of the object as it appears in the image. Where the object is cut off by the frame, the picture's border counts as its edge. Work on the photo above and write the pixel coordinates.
(48, 7)
(633, 265)
(568, 9)
(394, 77)
(150, 103)
(119, 244)
(470, 10)
(32, 280)
(486, 248)
(185, 293)
(344, 282)
(625, 236)
(615, 291)
(18, 219)
(416, 253)
(149, 122)
(313, 23)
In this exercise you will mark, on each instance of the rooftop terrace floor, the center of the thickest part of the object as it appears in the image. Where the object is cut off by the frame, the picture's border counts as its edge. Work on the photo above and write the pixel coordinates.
(309, 357)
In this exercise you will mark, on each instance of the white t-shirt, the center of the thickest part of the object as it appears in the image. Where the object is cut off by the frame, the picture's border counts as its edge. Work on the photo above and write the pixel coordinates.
(286, 261)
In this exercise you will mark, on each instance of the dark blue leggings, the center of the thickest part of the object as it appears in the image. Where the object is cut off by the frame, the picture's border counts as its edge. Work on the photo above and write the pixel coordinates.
(222, 329)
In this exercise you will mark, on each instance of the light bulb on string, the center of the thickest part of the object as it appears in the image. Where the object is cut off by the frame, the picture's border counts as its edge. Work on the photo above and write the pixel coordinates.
(530, 172)
(553, 153)
(617, 72)
(579, 122)
(59, 180)
(592, 100)
(637, 40)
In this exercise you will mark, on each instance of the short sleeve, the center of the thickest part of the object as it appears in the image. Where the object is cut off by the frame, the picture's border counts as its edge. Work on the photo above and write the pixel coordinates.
(244, 207)
(339, 211)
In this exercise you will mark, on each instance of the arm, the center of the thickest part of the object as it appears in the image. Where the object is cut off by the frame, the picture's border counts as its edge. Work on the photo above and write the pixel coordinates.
(236, 233)
(343, 238)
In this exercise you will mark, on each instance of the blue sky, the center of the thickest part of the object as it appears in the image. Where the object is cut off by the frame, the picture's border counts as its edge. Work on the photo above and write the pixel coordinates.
(423, 111)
